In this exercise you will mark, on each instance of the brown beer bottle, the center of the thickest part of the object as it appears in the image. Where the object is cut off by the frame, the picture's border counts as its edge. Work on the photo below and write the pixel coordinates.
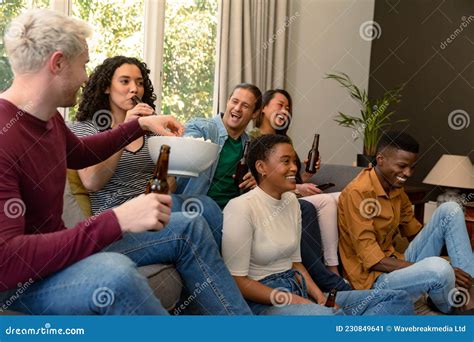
(313, 155)
(158, 184)
(331, 301)
(242, 168)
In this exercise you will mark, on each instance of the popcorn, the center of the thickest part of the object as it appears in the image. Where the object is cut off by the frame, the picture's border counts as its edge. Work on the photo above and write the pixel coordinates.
(200, 139)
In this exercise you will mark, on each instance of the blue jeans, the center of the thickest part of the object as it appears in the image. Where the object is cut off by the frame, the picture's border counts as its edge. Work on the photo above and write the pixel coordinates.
(109, 283)
(101, 284)
(312, 251)
(430, 273)
(201, 205)
(368, 302)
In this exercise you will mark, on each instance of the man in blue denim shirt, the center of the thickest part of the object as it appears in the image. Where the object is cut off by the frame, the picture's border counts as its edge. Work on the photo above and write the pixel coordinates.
(228, 131)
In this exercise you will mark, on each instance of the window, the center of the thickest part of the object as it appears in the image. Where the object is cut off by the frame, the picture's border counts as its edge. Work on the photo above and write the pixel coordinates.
(189, 58)
(9, 10)
(189, 44)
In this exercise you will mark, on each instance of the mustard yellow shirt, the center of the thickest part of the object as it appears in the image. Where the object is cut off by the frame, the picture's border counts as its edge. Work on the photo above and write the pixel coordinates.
(368, 220)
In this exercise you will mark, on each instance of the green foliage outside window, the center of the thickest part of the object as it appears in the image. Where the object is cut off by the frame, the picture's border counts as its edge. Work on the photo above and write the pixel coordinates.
(189, 45)
(189, 58)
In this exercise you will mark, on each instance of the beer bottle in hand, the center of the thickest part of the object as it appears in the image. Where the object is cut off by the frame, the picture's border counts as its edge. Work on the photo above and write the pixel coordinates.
(242, 168)
(158, 184)
(331, 301)
(313, 155)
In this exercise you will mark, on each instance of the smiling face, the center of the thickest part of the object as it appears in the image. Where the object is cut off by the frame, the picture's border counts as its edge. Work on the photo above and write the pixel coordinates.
(279, 170)
(277, 112)
(394, 167)
(127, 82)
(239, 111)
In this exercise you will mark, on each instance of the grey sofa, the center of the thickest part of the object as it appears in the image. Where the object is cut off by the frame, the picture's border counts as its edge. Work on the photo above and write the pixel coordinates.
(340, 175)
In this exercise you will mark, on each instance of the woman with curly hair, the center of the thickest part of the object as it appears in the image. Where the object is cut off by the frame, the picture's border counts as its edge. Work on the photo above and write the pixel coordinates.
(107, 101)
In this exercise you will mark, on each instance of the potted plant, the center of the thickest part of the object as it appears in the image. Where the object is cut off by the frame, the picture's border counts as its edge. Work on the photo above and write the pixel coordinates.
(374, 116)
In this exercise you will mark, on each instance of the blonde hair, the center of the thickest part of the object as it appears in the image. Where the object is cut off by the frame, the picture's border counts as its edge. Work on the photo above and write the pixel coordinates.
(34, 35)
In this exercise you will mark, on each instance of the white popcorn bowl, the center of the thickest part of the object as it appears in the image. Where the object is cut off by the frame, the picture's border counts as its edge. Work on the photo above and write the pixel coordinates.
(188, 157)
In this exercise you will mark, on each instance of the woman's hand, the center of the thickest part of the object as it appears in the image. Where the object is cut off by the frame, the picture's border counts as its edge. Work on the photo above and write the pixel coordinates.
(308, 189)
(141, 109)
(305, 176)
(162, 125)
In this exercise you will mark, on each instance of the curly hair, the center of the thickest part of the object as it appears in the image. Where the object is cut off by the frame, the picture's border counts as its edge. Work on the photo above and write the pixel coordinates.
(93, 93)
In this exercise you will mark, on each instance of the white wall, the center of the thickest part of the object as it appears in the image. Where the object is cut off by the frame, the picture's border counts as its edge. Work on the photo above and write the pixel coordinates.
(325, 38)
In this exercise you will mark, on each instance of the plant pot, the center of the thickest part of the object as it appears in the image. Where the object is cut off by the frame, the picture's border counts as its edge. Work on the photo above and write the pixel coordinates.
(364, 160)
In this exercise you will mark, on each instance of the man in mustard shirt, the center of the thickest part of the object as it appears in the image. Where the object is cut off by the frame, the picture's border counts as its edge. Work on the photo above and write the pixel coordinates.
(374, 208)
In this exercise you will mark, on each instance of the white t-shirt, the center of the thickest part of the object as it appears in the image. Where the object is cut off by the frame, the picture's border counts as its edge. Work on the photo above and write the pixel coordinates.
(261, 235)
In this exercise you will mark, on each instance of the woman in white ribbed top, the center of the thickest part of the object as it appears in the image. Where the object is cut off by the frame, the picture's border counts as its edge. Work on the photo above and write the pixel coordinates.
(261, 244)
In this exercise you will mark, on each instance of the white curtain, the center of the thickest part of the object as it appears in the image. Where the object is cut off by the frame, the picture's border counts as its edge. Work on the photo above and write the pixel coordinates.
(251, 46)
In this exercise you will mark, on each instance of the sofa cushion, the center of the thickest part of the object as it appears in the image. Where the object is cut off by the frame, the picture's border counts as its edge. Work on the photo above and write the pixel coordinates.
(165, 282)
